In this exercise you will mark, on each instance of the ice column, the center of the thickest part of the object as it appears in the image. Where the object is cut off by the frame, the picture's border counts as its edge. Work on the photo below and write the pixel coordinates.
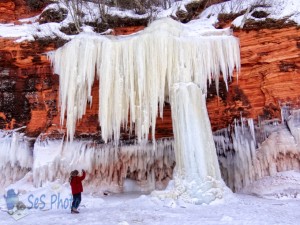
(197, 176)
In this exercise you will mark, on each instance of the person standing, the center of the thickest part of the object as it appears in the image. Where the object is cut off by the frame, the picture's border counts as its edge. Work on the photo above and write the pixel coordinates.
(76, 186)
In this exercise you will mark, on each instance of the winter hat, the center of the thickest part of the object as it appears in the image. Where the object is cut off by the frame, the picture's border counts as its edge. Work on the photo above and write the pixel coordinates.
(74, 173)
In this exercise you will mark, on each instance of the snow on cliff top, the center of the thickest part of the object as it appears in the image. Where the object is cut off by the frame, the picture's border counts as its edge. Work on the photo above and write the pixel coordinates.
(276, 9)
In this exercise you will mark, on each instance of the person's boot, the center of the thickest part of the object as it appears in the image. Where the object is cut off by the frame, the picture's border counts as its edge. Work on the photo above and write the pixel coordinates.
(74, 211)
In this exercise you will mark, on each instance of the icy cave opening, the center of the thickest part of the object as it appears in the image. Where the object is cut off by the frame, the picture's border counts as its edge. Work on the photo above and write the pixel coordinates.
(137, 74)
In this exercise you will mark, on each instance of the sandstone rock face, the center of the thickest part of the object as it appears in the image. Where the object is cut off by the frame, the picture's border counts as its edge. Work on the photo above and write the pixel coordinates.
(28, 88)
(7, 10)
(270, 76)
(12, 10)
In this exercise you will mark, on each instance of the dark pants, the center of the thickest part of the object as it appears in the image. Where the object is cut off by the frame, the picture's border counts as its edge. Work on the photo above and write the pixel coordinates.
(76, 200)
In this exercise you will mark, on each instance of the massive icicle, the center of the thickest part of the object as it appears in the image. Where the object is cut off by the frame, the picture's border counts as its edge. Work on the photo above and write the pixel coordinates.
(15, 157)
(136, 72)
(197, 175)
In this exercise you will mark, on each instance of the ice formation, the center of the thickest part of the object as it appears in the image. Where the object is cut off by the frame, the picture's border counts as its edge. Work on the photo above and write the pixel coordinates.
(293, 123)
(136, 72)
(107, 166)
(245, 158)
(197, 175)
(136, 75)
(15, 157)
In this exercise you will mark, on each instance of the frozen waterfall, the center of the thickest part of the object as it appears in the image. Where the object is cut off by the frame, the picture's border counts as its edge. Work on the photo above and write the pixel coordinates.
(197, 177)
(136, 72)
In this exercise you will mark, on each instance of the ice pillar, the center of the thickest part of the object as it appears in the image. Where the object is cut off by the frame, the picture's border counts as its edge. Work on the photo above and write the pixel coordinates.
(197, 177)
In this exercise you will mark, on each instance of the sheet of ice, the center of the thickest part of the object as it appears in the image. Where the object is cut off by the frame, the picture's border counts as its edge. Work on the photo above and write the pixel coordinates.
(245, 158)
(109, 167)
(15, 157)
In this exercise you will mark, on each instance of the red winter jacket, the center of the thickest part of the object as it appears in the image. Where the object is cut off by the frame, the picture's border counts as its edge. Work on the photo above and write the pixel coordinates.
(76, 184)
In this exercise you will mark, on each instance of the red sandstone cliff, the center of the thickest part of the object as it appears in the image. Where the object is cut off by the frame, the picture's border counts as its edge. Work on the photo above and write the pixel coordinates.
(29, 91)
(12, 10)
(270, 74)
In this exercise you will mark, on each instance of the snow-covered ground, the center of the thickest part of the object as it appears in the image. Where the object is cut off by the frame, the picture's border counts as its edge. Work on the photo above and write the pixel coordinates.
(138, 208)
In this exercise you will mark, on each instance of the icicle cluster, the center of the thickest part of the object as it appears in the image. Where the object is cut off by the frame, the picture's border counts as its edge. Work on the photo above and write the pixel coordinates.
(15, 157)
(136, 72)
(247, 153)
(197, 174)
(293, 123)
(107, 166)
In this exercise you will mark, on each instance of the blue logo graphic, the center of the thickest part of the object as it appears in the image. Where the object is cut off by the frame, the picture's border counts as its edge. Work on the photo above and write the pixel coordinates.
(15, 207)
(11, 199)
